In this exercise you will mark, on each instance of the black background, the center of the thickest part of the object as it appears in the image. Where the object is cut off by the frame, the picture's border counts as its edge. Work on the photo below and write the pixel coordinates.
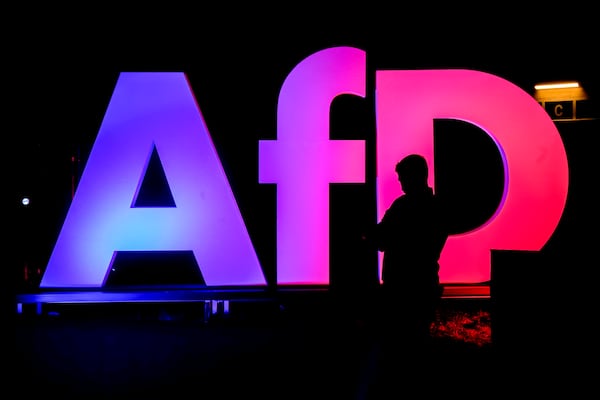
(236, 61)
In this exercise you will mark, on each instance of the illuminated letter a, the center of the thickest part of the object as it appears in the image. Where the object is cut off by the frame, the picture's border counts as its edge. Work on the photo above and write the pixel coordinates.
(147, 112)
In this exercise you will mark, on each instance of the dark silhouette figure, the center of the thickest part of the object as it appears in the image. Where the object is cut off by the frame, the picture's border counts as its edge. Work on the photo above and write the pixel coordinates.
(411, 235)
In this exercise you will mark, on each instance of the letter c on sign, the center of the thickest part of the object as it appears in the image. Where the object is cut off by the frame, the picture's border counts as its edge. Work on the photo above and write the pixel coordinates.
(558, 110)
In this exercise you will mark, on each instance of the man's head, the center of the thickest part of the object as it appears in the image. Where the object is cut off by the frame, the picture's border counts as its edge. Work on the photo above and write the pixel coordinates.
(412, 173)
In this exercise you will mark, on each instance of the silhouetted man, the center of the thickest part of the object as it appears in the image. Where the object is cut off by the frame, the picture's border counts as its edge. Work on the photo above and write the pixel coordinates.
(411, 235)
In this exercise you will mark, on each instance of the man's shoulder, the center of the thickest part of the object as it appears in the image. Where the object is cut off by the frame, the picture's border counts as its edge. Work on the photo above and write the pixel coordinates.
(400, 201)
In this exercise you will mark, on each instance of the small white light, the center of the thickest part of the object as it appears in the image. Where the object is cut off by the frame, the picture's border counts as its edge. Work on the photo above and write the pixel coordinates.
(25, 201)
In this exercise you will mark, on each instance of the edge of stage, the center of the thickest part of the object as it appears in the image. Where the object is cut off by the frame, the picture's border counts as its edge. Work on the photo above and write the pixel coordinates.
(213, 298)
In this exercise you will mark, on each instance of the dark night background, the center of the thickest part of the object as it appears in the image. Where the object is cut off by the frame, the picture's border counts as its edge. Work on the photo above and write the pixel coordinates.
(65, 64)
(236, 69)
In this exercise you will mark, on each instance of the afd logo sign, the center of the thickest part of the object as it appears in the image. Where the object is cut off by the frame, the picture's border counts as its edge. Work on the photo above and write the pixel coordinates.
(157, 112)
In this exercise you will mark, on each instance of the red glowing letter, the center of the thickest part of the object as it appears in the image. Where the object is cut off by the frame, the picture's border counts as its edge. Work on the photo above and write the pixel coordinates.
(534, 158)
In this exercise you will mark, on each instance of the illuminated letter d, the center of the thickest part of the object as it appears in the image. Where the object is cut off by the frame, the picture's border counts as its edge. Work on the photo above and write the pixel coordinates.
(534, 158)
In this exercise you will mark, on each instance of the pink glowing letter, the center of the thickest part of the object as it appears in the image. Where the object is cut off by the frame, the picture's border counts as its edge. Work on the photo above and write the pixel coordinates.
(303, 161)
(147, 111)
(534, 158)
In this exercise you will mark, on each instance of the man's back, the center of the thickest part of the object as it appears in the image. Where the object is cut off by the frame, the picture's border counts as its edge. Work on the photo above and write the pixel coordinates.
(412, 236)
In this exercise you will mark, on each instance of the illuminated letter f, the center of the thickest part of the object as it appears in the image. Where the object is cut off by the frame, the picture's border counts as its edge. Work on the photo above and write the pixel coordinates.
(303, 161)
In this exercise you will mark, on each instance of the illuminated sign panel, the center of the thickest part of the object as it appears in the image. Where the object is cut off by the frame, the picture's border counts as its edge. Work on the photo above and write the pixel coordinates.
(157, 111)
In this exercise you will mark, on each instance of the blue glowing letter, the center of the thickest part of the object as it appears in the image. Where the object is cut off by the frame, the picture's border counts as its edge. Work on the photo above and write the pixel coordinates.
(147, 111)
